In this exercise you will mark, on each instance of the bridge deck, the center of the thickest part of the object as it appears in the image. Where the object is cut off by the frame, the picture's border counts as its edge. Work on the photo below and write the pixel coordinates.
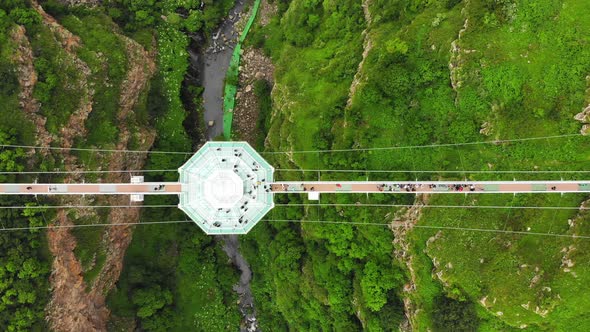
(169, 188)
(148, 188)
(434, 187)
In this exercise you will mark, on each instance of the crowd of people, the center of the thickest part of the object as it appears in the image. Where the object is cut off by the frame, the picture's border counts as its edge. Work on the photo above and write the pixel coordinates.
(390, 187)
(411, 187)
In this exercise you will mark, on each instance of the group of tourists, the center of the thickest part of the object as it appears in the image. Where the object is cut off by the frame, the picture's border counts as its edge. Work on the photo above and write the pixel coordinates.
(411, 187)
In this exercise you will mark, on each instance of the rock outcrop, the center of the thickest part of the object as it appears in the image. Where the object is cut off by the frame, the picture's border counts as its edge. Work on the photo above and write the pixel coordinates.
(27, 78)
(255, 66)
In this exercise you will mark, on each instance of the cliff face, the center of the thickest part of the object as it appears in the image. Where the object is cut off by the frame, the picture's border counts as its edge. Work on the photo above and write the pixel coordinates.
(78, 304)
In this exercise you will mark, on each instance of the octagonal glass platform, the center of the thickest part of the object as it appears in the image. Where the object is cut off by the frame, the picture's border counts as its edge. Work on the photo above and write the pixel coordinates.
(225, 187)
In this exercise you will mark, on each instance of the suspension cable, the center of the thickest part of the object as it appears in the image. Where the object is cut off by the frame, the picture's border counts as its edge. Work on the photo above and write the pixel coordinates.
(309, 170)
(94, 225)
(426, 146)
(85, 206)
(445, 206)
(92, 172)
(468, 229)
(421, 171)
(303, 151)
(500, 207)
(489, 230)
(90, 149)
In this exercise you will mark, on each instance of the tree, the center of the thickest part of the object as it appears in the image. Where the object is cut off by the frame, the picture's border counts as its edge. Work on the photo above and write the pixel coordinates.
(396, 45)
(4, 21)
(195, 20)
(150, 300)
(377, 280)
(453, 315)
(144, 18)
(25, 16)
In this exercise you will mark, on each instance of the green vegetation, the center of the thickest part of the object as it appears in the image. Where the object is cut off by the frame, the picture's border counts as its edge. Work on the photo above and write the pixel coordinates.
(262, 90)
(24, 270)
(175, 279)
(421, 84)
(24, 266)
(89, 247)
(318, 277)
(453, 315)
(438, 71)
(105, 54)
(58, 88)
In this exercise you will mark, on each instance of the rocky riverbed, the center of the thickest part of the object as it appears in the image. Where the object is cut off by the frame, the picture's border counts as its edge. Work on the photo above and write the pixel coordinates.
(216, 58)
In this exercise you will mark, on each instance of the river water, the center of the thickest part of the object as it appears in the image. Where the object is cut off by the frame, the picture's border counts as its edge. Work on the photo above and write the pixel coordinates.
(208, 68)
(231, 246)
(217, 57)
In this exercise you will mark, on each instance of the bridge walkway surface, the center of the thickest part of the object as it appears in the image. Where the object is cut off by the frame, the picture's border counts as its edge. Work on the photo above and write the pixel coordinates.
(442, 187)
(148, 188)
(401, 187)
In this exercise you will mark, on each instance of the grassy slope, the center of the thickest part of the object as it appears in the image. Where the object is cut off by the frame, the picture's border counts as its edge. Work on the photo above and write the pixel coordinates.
(523, 72)
(537, 78)
(525, 84)
(318, 277)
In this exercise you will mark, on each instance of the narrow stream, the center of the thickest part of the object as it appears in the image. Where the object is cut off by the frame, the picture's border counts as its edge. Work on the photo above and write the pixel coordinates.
(207, 69)
(231, 246)
(217, 57)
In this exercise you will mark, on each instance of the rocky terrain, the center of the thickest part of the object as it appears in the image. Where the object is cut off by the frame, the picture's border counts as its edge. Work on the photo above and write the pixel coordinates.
(75, 305)
(254, 66)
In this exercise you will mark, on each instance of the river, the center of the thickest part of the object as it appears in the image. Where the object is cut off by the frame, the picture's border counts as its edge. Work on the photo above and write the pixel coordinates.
(231, 246)
(208, 68)
(217, 57)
